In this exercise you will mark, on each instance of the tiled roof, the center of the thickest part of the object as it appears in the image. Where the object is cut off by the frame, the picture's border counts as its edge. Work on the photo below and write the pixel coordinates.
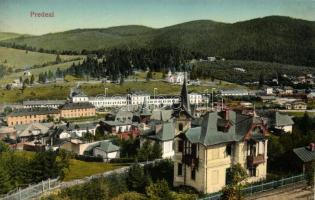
(25, 130)
(167, 132)
(209, 134)
(305, 154)
(161, 115)
(80, 105)
(33, 111)
(282, 120)
(44, 102)
(107, 146)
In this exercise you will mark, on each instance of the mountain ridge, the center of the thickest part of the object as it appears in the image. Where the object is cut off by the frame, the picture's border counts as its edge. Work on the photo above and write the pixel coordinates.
(272, 38)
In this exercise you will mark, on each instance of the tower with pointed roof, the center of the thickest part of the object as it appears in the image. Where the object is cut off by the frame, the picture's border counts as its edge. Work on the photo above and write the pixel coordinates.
(182, 111)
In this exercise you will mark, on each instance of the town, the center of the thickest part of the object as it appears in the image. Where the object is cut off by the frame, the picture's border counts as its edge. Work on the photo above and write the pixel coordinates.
(203, 134)
(189, 100)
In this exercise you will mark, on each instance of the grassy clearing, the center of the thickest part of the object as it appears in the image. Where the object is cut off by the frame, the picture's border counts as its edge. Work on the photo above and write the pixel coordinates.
(143, 75)
(300, 114)
(80, 169)
(52, 92)
(61, 91)
(10, 77)
(18, 59)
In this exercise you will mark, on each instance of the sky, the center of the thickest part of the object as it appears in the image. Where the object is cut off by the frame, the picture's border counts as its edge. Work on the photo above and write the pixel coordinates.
(72, 14)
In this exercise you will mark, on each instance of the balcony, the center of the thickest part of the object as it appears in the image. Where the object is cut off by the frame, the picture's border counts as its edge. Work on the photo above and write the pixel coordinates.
(255, 160)
(190, 160)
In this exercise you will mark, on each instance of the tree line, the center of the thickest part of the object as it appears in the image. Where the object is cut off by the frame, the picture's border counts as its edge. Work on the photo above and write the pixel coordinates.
(19, 169)
(122, 62)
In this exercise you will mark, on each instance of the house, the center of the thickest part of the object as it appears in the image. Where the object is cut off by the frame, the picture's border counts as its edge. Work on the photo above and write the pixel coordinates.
(269, 91)
(204, 154)
(75, 130)
(162, 133)
(33, 132)
(123, 129)
(281, 123)
(296, 105)
(76, 95)
(16, 83)
(74, 110)
(7, 132)
(311, 95)
(175, 78)
(107, 150)
(305, 155)
(287, 90)
(31, 115)
(77, 146)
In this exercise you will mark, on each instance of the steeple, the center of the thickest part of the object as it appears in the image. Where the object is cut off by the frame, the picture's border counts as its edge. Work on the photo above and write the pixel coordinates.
(145, 110)
(184, 97)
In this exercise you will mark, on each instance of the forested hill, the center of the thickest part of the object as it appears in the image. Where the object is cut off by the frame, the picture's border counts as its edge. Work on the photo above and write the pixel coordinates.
(273, 38)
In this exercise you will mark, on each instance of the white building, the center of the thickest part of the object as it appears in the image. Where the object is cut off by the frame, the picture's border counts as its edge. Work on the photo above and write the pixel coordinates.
(80, 98)
(175, 78)
(108, 102)
(107, 150)
(163, 134)
(237, 92)
(138, 99)
(269, 90)
(43, 103)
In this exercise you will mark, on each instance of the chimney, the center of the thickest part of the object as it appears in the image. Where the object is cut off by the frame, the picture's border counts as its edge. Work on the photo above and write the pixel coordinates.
(311, 147)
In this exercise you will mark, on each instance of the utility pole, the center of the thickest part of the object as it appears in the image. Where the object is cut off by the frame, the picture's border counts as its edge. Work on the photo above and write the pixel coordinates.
(212, 98)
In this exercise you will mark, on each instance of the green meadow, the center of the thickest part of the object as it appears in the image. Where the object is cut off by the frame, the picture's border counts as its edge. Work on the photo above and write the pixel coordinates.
(61, 91)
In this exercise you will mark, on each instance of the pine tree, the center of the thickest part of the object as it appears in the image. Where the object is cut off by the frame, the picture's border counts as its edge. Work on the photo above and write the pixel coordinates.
(58, 59)
(5, 184)
(137, 180)
(32, 79)
(156, 151)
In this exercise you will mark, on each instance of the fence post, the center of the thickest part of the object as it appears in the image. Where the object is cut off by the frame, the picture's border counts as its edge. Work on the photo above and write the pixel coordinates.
(20, 195)
(43, 186)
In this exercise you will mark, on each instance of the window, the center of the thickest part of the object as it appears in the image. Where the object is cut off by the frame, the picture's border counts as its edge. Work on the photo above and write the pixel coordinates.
(180, 127)
(180, 146)
(252, 171)
(179, 169)
(228, 149)
(193, 174)
(194, 150)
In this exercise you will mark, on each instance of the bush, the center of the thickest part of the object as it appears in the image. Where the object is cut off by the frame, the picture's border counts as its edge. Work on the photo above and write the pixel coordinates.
(89, 158)
(122, 160)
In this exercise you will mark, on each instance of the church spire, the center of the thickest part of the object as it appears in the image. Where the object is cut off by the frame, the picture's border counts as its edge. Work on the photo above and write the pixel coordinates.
(185, 103)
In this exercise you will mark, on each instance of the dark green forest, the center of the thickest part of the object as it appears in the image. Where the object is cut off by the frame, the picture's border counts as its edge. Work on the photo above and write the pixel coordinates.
(273, 39)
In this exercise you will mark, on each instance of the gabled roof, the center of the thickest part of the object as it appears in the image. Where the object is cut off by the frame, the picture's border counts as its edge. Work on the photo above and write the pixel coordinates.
(107, 146)
(305, 154)
(25, 130)
(236, 127)
(43, 102)
(80, 105)
(282, 120)
(165, 133)
(161, 115)
(33, 111)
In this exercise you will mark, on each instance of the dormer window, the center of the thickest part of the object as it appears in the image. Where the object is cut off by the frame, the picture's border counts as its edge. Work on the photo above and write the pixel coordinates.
(180, 127)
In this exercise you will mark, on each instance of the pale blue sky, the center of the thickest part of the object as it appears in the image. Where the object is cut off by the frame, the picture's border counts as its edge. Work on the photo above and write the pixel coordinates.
(71, 14)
